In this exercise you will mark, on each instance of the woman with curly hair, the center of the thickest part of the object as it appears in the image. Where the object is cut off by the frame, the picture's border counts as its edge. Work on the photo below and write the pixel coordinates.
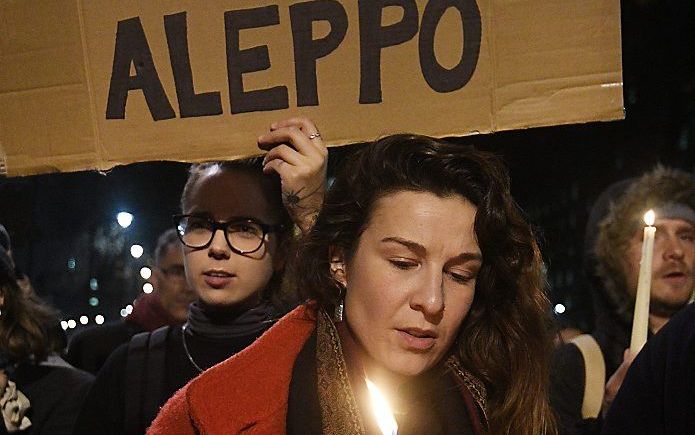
(39, 392)
(422, 279)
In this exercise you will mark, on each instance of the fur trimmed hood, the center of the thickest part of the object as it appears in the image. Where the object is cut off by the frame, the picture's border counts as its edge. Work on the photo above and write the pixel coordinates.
(624, 205)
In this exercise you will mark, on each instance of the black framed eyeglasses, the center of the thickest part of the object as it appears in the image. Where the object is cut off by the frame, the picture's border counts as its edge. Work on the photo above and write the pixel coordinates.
(243, 235)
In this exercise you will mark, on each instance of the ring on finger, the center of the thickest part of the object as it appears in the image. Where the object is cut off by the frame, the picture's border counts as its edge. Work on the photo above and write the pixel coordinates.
(314, 135)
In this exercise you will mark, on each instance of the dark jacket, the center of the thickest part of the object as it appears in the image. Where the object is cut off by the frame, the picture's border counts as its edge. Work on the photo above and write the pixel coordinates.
(89, 349)
(658, 394)
(105, 411)
(55, 391)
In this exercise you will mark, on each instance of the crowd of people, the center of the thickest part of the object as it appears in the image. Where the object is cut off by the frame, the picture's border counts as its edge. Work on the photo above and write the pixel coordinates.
(282, 304)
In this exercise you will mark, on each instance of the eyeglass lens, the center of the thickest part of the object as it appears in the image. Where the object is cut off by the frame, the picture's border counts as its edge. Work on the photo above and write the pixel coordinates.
(196, 232)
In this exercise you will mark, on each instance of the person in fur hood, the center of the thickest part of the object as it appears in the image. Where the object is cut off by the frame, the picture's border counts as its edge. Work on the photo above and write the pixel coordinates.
(587, 372)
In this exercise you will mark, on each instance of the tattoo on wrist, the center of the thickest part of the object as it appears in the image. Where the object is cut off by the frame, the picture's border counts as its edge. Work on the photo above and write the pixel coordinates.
(293, 199)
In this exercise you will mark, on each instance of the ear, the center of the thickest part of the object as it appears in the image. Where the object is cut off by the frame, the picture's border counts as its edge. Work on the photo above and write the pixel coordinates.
(337, 265)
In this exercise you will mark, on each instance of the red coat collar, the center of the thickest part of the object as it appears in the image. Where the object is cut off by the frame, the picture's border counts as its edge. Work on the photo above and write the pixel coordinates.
(251, 388)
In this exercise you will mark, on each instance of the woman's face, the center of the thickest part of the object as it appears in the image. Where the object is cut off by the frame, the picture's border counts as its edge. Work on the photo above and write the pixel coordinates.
(412, 279)
(222, 278)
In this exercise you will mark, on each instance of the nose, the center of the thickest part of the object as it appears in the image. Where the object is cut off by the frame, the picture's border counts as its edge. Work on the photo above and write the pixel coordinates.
(219, 248)
(428, 296)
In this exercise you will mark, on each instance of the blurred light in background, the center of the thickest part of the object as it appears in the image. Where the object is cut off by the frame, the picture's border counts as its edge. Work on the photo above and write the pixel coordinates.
(72, 324)
(145, 272)
(84, 320)
(136, 251)
(99, 319)
(94, 284)
(559, 309)
(124, 219)
(147, 287)
(93, 301)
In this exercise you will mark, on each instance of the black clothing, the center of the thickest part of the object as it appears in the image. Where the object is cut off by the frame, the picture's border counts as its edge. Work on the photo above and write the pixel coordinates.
(658, 394)
(56, 393)
(89, 349)
(104, 410)
(567, 374)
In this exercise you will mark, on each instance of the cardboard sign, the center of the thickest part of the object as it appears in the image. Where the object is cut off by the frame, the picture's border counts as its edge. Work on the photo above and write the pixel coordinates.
(93, 84)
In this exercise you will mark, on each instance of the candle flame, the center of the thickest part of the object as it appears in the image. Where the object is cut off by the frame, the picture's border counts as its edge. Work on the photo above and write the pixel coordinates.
(649, 217)
(382, 411)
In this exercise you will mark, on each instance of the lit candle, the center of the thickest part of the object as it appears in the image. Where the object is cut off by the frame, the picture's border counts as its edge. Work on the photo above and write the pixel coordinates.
(640, 321)
(382, 411)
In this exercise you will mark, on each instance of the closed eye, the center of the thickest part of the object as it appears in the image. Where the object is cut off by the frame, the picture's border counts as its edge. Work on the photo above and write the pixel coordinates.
(403, 264)
(461, 278)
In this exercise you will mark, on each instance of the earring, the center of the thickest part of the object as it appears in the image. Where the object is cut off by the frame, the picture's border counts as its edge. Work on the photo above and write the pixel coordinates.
(338, 315)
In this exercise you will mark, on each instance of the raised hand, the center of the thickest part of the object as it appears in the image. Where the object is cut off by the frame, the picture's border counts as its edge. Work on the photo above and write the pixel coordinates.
(297, 154)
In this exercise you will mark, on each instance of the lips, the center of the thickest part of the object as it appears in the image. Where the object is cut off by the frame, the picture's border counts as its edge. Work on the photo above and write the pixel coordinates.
(417, 339)
(217, 278)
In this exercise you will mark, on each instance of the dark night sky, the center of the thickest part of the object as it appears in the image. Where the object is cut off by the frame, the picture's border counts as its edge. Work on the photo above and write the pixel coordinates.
(556, 172)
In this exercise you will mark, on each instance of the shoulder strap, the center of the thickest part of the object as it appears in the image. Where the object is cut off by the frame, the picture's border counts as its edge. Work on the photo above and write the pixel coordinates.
(155, 375)
(144, 379)
(594, 375)
(134, 376)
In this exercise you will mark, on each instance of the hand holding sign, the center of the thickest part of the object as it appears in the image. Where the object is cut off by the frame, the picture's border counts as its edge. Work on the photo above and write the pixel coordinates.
(297, 154)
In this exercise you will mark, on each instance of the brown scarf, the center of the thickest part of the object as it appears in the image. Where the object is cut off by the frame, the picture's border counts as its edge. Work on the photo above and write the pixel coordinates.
(337, 398)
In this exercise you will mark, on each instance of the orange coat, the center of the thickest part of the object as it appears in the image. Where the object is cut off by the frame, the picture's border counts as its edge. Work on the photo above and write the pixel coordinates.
(246, 393)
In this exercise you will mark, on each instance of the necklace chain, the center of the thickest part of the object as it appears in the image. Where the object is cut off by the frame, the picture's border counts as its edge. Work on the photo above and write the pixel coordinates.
(185, 348)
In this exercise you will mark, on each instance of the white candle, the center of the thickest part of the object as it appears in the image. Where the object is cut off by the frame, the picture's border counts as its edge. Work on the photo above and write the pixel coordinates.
(640, 321)
(382, 411)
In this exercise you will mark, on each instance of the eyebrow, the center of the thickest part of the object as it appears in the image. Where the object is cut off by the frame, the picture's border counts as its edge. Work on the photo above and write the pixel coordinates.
(683, 228)
(421, 250)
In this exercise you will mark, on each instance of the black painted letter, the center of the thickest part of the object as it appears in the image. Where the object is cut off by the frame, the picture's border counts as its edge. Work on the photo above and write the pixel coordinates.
(249, 60)
(374, 37)
(307, 50)
(439, 78)
(190, 103)
(132, 47)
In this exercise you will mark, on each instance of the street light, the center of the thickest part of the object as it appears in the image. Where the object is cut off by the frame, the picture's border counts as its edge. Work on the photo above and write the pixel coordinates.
(124, 219)
(136, 251)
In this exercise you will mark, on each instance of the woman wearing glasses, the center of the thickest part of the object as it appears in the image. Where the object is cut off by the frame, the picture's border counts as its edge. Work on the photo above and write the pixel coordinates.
(235, 229)
(424, 281)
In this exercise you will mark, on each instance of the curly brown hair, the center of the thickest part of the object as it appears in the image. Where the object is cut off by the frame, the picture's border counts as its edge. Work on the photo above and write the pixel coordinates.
(505, 339)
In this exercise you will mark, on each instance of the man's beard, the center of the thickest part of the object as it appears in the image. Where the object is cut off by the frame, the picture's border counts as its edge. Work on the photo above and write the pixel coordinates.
(665, 309)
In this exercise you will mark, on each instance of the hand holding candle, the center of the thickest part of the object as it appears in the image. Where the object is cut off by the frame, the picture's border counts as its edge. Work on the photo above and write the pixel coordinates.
(640, 322)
